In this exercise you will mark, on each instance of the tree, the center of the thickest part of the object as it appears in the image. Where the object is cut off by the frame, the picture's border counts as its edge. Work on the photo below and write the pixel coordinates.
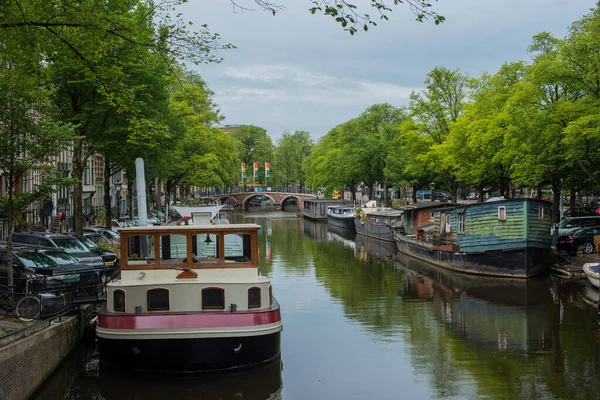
(347, 14)
(290, 153)
(434, 110)
(205, 156)
(28, 137)
(254, 145)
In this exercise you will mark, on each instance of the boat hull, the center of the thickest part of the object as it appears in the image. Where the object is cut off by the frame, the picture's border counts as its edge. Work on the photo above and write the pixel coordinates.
(521, 262)
(375, 231)
(341, 221)
(189, 355)
(593, 276)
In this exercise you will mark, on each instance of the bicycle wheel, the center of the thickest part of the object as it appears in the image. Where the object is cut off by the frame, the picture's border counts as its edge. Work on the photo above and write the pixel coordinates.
(5, 305)
(28, 308)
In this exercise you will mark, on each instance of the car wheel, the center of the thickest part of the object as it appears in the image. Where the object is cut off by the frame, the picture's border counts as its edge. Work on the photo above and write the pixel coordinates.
(588, 248)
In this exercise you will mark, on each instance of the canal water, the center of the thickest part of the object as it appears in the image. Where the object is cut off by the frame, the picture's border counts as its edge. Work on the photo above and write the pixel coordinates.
(363, 322)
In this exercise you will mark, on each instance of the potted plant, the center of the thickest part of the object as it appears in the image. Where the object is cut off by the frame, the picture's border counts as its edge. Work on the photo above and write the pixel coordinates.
(186, 219)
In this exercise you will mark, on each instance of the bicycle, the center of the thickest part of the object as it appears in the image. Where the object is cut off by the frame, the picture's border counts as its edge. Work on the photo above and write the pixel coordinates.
(26, 309)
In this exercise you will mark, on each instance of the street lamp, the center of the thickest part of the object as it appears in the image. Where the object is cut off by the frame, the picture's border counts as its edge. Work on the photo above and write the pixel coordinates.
(118, 197)
(432, 184)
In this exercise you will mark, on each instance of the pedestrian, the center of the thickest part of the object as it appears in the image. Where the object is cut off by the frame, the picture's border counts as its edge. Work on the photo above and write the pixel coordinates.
(61, 220)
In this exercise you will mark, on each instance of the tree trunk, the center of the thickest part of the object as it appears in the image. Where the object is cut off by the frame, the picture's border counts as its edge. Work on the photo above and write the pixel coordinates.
(539, 192)
(481, 193)
(453, 190)
(572, 199)
(107, 197)
(414, 195)
(10, 214)
(385, 194)
(556, 187)
(78, 169)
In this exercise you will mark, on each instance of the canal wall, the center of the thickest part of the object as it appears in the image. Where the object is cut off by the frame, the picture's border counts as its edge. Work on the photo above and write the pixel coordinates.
(28, 358)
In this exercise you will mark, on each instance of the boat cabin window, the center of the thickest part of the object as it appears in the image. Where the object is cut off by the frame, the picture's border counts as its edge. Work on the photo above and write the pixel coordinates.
(206, 248)
(541, 212)
(158, 299)
(140, 250)
(502, 213)
(173, 249)
(119, 300)
(213, 299)
(254, 297)
(238, 247)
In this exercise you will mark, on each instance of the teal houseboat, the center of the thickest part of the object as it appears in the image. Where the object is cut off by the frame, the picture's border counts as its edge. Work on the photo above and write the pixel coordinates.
(508, 238)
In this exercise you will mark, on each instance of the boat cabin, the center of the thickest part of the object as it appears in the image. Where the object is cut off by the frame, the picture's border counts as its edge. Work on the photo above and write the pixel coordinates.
(417, 219)
(493, 225)
(189, 268)
(318, 208)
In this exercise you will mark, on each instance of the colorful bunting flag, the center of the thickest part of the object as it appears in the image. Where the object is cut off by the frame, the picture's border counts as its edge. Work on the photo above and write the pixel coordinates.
(243, 171)
(267, 169)
(255, 170)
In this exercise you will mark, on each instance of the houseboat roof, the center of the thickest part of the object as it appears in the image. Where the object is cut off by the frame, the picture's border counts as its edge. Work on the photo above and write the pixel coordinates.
(338, 201)
(425, 206)
(393, 212)
(179, 228)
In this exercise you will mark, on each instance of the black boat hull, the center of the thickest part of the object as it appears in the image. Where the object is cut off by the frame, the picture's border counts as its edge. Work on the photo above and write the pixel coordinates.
(189, 355)
(521, 262)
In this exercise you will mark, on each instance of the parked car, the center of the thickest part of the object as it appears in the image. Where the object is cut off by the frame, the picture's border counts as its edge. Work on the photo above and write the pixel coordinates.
(569, 225)
(581, 238)
(91, 279)
(59, 241)
(580, 212)
(110, 234)
(109, 258)
(29, 265)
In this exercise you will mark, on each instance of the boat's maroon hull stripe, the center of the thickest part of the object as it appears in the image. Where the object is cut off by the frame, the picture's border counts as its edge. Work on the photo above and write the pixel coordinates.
(187, 321)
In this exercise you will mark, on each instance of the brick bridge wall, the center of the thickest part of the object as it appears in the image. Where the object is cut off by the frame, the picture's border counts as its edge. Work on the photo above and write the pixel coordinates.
(241, 199)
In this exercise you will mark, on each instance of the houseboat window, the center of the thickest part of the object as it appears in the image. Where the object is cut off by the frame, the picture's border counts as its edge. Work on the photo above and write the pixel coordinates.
(119, 300)
(205, 248)
(502, 213)
(322, 209)
(238, 247)
(376, 220)
(448, 223)
(173, 249)
(213, 299)
(158, 299)
(270, 295)
(254, 297)
(140, 250)
(461, 223)
(541, 212)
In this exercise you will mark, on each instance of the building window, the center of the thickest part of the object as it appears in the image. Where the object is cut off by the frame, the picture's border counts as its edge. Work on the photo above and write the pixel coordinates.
(158, 299)
(502, 213)
(541, 212)
(254, 297)
(213, 299)
(119, 300)
(461, 223)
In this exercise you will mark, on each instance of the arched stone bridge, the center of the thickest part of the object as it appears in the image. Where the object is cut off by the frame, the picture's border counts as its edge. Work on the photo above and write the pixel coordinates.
(240, 200)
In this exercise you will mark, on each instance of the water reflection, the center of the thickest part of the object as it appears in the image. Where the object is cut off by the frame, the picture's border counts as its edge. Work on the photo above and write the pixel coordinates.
(96, 382)
(493, 313)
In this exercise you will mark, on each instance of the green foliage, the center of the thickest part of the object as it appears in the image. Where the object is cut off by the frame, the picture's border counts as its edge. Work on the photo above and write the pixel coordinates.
(254, 145)
(290, 153)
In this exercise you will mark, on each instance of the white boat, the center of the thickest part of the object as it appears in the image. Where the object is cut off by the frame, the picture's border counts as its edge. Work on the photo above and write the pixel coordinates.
(190, 299)
(592, 270)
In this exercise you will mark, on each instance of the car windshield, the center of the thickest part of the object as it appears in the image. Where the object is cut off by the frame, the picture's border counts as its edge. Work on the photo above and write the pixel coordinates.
(71, 245)
(61, 258)
(88, 242)
(36, 260)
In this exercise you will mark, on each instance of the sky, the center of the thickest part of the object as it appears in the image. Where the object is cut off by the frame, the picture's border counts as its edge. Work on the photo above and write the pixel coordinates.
(297, 71)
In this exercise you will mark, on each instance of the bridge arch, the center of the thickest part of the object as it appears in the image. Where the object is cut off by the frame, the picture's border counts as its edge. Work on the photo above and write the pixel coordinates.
(257, 194)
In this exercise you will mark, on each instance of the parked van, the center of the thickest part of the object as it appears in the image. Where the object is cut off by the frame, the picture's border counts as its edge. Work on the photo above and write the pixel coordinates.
(569, 225)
